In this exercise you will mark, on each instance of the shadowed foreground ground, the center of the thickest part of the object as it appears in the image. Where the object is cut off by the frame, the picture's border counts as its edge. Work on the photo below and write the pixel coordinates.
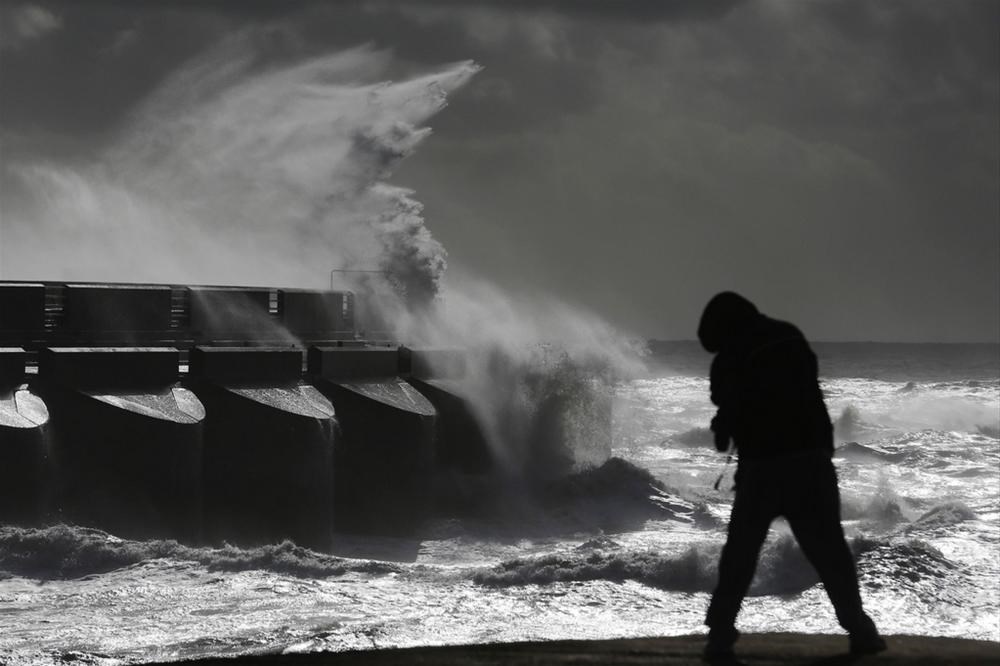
(755, 649)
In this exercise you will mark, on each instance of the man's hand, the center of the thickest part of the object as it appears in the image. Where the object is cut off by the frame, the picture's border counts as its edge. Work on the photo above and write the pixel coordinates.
(722, 435)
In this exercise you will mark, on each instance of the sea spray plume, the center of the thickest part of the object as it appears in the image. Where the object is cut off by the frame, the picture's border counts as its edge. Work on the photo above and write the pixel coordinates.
(237, 170)
(411, 258)
(540, 373)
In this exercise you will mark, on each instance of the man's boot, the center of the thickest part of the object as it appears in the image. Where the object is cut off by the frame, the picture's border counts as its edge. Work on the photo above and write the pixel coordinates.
(719, 647)
(865, 638)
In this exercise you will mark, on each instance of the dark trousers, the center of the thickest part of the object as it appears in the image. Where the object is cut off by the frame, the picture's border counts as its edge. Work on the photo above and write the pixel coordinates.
(804, 490)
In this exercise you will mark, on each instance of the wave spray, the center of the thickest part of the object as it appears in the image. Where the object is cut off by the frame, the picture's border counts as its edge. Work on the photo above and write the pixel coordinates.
(238, 170)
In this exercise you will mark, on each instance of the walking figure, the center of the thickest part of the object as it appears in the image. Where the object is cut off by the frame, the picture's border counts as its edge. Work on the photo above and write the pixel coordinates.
(764, 383)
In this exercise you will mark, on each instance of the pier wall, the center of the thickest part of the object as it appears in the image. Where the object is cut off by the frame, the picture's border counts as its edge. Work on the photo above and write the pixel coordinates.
(269, 442)
(23, 426)
(125, 441)
(215, 413)
(440, 375)
(385, 456)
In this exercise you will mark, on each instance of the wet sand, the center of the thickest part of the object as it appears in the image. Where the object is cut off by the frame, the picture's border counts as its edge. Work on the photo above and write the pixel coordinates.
(753, 649)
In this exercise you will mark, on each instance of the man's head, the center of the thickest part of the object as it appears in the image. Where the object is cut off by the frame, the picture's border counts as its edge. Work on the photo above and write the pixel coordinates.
(725, 317)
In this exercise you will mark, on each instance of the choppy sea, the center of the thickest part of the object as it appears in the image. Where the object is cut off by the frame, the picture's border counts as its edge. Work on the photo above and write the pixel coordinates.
(625, 549)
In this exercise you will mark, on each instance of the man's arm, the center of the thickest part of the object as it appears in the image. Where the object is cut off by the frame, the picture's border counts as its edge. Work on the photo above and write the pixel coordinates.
(722, 393)
(721, 431)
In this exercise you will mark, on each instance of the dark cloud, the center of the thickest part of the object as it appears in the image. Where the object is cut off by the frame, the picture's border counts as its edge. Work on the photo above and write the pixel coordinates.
(787, 148)
(628, 10)
(634, 155)
(25, 23)
(85, 80)
(121, 50)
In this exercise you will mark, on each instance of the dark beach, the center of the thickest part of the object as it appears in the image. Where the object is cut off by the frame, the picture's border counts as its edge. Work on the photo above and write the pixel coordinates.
(757, 649)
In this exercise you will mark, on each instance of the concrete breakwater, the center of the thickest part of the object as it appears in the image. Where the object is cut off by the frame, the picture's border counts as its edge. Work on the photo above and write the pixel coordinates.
(219, 413)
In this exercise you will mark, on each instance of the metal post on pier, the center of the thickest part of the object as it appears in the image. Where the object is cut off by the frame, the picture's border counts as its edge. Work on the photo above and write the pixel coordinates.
(353, 270)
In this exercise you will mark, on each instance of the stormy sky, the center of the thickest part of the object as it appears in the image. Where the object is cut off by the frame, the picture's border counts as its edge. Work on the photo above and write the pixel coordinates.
(838, 162)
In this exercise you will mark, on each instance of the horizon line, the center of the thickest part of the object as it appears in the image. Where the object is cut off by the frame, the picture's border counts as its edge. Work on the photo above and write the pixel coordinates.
(861, 342)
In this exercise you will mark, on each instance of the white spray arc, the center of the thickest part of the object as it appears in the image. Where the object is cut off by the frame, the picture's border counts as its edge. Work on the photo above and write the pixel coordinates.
(235, 173)
(540, 373)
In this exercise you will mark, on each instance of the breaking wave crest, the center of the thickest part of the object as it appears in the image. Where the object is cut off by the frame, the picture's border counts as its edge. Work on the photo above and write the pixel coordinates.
(942, 516)
(622, 482)
(868, 453)
(695, 437)
(782, 567)
(692, 571)
(960, 407)
(615, 496)
(900, 562)
(66, 551)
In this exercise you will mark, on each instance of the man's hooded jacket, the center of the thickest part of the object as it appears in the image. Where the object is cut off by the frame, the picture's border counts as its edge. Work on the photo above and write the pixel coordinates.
(764, 382)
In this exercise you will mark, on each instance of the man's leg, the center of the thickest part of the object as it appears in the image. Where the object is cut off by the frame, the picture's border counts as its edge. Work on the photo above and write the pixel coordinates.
(813, 512)
(748, 524)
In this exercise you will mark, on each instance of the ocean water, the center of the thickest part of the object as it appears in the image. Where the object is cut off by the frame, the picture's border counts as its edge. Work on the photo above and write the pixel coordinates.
(628, 548)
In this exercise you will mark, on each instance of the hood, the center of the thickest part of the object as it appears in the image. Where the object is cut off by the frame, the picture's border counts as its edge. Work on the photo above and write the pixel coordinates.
(725, 317)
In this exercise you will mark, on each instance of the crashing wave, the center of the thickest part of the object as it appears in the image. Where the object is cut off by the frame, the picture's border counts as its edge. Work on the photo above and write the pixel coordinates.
(887, 562)
(696, 437)
(692, 571)
(618, 492)
(882, 512)
(615, 496)
(849, 425)
(782, 567)
(868, 453)
(987, 430)
(942, 516)
(66, 551)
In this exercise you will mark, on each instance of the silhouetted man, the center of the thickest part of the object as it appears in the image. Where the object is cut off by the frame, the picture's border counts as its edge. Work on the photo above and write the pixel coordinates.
(764, 382)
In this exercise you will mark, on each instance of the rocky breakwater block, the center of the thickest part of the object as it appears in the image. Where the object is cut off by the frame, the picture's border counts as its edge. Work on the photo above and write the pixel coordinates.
(384, 460)
(23, 419)
(269, 444)
(440, 375)
(126, 441)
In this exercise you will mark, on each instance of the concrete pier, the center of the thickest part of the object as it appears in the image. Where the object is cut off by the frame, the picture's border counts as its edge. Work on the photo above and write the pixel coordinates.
(181, 411)
(116, 314)
(12, 361)
(384, 461)
(269, 446)
(317, 316)
(23, 420)
(439, 375)
(230, 315)
(126, 440)
(22, 313)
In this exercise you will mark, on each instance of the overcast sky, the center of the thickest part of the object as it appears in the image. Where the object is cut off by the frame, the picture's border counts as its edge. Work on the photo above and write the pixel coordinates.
(836, 162)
